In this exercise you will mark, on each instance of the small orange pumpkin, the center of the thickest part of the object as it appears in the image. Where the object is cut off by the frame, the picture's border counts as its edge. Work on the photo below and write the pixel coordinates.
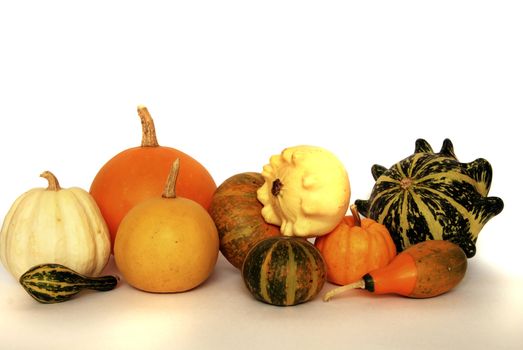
(355, 247)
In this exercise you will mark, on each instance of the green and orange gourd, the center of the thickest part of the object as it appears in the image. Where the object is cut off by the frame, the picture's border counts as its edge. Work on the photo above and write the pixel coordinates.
(237, 214)
(423, 270)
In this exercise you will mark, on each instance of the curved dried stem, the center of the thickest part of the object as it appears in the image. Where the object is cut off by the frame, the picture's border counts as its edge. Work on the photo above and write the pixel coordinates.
(52, 180)
(170, 186)
(355, 215)
(148, 130)
(342, 289)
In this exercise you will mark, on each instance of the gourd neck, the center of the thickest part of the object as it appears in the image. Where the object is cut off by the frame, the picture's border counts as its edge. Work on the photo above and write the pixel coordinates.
(148, 131)
(52, 180)
(355, 215)
(170, 186)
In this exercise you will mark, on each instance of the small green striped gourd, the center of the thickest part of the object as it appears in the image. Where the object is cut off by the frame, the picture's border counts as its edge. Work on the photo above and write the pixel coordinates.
(432, 196)
(54, 283)
(284, 271)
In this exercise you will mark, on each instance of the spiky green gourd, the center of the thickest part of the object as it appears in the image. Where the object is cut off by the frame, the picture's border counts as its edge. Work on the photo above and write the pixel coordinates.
(54, 283)
(284, 271)
(432, 196)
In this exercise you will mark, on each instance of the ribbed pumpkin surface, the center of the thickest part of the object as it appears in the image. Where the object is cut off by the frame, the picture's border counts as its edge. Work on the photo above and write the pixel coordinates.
(432, 196)
(284, 271)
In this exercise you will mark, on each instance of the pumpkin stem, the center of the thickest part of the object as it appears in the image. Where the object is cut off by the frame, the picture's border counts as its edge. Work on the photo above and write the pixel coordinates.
(355, 215)
(52, 180)
(358, 284)
(170, 187)
(148, 130)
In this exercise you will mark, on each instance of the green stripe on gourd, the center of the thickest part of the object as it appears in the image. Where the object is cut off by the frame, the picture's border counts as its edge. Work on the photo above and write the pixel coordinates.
(284, 271)
(432, 196)
(54, 283)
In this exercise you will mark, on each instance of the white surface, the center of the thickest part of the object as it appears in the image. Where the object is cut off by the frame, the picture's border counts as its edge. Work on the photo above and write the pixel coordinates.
(233, 82)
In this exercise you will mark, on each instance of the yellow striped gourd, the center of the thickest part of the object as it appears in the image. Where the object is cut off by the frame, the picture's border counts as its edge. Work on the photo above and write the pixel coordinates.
(432, 196)
(54, 283)
(284, 271)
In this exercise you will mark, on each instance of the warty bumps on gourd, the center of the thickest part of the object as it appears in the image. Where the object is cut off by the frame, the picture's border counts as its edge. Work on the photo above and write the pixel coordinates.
(306, 191)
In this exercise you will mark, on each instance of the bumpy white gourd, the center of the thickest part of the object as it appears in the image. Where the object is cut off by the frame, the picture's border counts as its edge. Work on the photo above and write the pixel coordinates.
(306, 191)
(54, 225)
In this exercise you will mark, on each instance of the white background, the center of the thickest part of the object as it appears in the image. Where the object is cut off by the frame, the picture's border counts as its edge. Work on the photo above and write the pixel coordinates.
(233, 82)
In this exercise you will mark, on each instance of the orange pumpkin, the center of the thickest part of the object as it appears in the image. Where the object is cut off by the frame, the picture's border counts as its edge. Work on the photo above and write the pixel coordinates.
(138, 173)
(355, 247)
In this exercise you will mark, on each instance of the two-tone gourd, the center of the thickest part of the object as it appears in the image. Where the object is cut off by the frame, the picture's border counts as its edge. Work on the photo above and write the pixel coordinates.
(432, 196)
(423, 270)
(284, 271)
(237, 214)
(55, 283)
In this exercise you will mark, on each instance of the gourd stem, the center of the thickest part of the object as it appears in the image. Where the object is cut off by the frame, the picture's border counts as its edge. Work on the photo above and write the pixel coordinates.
(148, 130)
(101, 283)
(170, 187)
(355, 215)
(52, 180)
(358, 284)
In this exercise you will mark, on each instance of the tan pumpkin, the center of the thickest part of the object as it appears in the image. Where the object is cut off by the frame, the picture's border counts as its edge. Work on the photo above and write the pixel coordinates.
(54, 225)
(355, 247)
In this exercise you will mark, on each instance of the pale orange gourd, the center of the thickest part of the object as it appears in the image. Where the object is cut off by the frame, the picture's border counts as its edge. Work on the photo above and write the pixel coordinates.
(138, 173)
(355, 247)
(168, 243)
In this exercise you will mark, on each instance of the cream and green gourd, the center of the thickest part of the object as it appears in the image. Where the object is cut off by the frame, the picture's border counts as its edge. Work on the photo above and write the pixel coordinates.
(432, 195)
